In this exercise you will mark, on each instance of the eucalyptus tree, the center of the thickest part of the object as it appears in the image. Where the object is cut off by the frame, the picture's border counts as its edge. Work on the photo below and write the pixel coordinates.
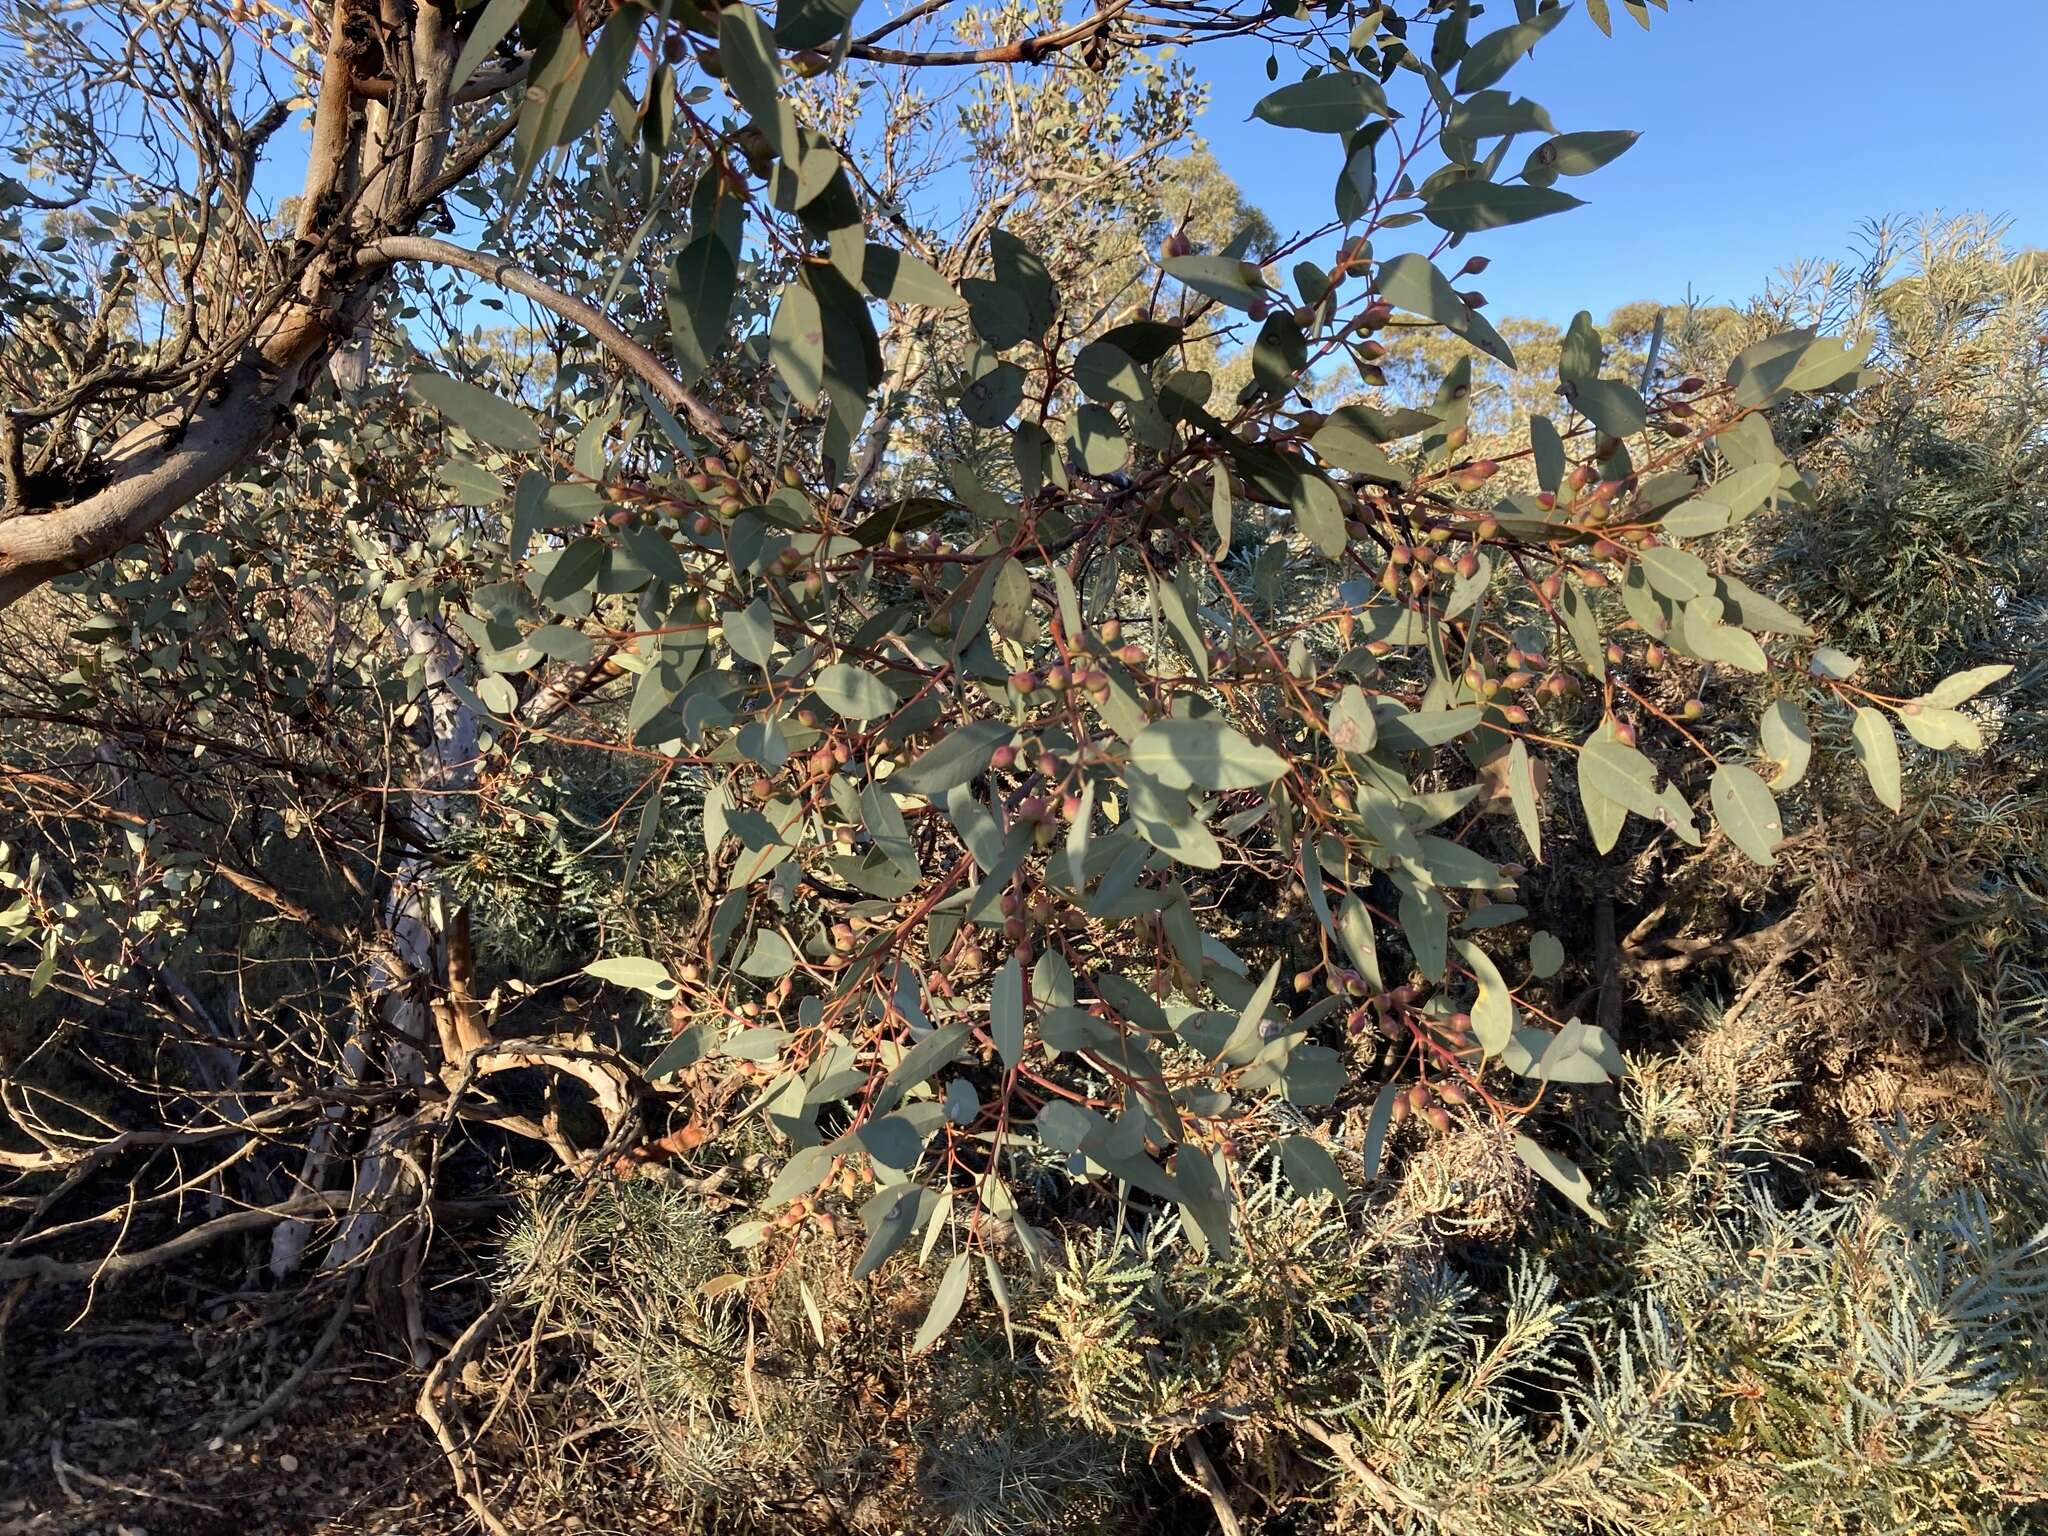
(1020, 797)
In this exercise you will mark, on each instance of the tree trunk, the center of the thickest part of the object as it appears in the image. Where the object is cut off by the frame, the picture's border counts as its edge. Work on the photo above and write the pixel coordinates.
(405, 968)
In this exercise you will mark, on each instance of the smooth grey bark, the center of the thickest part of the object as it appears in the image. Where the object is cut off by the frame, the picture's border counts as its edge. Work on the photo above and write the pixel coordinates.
(405, 964)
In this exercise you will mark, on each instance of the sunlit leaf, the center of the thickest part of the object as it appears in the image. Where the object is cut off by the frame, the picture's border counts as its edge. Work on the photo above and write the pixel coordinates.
(946, 1303)
(1877, 749)
(1561, 1174)
(1748, 813)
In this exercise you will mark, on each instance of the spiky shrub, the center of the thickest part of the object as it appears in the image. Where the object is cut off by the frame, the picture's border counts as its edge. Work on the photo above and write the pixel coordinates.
(770, 1392)
(1740, 1350)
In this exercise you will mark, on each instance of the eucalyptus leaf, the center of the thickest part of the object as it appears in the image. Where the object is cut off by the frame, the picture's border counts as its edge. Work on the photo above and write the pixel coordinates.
(853, 693)
(483, 415)
(1562, 1175)
(1747, 811)
(946, 1303)
(1333, 102)
(1208, 753)
(1877, 749)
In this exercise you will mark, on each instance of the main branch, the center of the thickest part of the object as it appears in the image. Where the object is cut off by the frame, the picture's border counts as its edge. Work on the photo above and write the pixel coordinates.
(508, 275)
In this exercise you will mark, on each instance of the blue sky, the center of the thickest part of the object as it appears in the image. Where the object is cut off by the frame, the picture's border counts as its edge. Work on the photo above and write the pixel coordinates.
(1771, 130)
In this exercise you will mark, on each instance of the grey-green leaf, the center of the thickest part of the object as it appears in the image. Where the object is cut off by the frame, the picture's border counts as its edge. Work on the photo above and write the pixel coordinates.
(893, 1225)
(1353, 725)
(1310, 1168)
(1320, 512)
(1561, 1174)
(1963, 686)
(1522, 796)
(796, 341)
(920, 1062)
(1182, 753)
(478, 412)
(1408, 281)
(1493, 1013)
(1784, 735)
(901, 278)
(1877, 749)
(1578, 154)
(497, 19)
(1466, 207)
(751, 632)
(946, 1303)
(1747, 812)
(1336, 102)
(1497, 52)
(637, 972)
(811, 23)
(753, 69)
(1620, 774)
(770, 959)
(855, 694)
(1828, 662)
(1006, 1012)
(1224, 278)
(959, 758)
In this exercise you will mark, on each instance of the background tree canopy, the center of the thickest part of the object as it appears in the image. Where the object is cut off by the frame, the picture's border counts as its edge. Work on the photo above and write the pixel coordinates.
(763, 727)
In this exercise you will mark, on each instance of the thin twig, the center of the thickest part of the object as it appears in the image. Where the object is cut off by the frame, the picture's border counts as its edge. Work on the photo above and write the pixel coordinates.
(1211, 1484)
(1388, 1495)
(279, 1395)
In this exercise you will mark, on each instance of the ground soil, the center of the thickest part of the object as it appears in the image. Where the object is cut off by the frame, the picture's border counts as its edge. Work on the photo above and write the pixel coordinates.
(110, 1423)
